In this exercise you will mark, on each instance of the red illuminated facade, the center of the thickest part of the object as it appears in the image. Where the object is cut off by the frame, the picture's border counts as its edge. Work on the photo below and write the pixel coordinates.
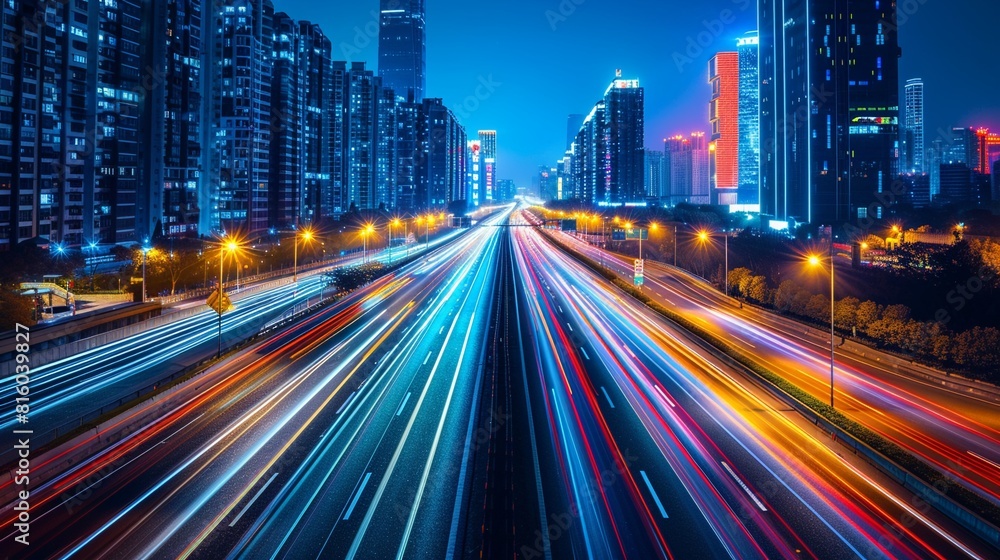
(989, 150)
(724, 114)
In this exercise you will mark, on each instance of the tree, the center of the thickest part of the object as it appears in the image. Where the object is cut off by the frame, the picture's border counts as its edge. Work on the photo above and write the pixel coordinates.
(846, 312)
(818, 307)
(868, 312)
(177, 263)
(786, 295)
(899, 313)
(756, 289)
(15, 308)
(736, 278)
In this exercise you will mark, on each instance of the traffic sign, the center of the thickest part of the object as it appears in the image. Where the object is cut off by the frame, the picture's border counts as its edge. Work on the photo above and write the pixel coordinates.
(213, 302)
(636, 233)
(639, 270)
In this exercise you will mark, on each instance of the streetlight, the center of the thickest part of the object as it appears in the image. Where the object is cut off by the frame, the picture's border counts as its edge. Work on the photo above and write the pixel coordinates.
(93, 266)
(815, 261)
(704, 236)
(307, 236)
(675, 246)
(393, 222)
(231, 246)
(365, 232)
(144, 251)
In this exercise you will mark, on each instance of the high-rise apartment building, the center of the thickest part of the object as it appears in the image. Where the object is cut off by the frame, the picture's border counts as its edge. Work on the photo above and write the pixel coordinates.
(914, 149)
(724, 108)
(749, 121)
(402, 51)
(172, 124)
(829, 106)
(607, 157)
(441, 166)
(240, 111)
(488, 141)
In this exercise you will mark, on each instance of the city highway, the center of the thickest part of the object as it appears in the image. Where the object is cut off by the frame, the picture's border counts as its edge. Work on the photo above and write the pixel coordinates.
(68, 390)
(492, 399)
(713, 469)
(956, 432)
(343, 436)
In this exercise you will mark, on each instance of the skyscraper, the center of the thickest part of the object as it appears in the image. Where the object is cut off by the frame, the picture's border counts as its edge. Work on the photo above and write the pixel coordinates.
(385, 157)
(474, 177)
(829, 105)
(573, 124)
(240, 113)
(724, 78)
(654, 173)
(45, 146)
(318, 119)
(408, 154)
(963, 148)
(401, 48)
(361, 111)
(749, 125)
(441, 166)
(171, 118)
(914, 126)
(285, 199)
(690, 177)
(488, 141)
(624, 128)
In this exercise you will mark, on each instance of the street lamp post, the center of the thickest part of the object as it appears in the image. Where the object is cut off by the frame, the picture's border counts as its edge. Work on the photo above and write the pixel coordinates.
(230, 246)
(307, 235)
(704, 236)
(393, 222)
(144, 251)
(221, 259)
(815, 261)
(675, 246)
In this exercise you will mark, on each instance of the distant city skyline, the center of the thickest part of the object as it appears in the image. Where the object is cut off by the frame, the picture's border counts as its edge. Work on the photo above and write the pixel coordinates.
(527, 50)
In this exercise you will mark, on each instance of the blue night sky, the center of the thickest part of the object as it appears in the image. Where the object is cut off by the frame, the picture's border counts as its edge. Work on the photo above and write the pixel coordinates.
(544, 65)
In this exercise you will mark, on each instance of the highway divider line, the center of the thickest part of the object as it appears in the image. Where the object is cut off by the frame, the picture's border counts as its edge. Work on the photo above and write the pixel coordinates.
(656, 498)
(255, 496)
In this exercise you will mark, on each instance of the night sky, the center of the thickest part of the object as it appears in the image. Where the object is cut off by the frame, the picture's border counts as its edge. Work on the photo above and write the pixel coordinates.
(543, 65)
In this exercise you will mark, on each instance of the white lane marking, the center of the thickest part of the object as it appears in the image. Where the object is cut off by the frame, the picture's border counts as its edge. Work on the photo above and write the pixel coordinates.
(255, 496)
(347, 402)
(560, 308)
(656, 498)
(403, 404)
(627, 349)
(354, 502)
(428, 357)
(981, 458)
(585, 355)
(441, 330)
(664, 395)
(743, 486)
(603, 390)
(570, 327)
(743, 341)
